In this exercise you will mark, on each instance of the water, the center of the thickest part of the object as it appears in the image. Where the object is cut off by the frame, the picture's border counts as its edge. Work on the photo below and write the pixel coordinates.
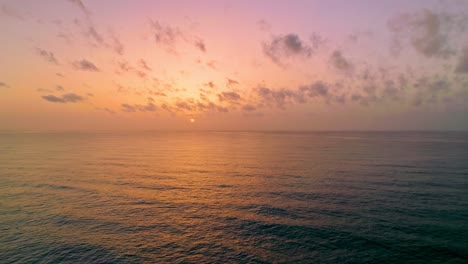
(222, 197)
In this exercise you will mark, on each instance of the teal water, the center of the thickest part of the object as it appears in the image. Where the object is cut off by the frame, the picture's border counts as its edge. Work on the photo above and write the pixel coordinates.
(234, 197)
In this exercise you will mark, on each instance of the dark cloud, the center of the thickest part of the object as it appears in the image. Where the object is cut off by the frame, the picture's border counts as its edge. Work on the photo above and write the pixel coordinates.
(81, 6)
(280, 97)
(166, 35)
(93, 34)
(430, 89)
(357, 36)
(144, 65)
(59, 88)
(230, 83)
(212, 64)
(249, 108)
(116, 45)
(125, 66)
(47, 55)
(316, 89)
(85, 65)
(182, 105)
(8, 11)
(72, 98)
(264, 25)
(169, 37)
(4, 85)
(462, 65)
(43, 90)
(428, 32)
(229, 96)
(200, 45)
(340, 63)
(286, 46)
(317, 41)
(66, 98)
(149, 107)
(128, 108)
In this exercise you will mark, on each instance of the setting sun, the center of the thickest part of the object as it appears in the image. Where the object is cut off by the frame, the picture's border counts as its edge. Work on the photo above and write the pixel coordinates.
(192, 120)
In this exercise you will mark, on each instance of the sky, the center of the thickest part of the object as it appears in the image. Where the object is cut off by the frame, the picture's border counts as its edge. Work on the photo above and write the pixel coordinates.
(233, 65)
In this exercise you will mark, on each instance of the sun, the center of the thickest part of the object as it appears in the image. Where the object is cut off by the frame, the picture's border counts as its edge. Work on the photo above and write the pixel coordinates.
(192, 120)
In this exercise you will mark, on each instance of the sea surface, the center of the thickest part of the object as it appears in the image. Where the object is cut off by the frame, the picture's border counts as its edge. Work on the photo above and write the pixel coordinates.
(234, 197)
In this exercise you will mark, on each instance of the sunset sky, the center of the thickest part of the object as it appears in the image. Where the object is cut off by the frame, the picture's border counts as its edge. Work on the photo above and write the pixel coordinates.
(233, 65)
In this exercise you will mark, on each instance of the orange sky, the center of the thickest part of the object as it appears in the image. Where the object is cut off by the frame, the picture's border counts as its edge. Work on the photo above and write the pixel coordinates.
(233, 65)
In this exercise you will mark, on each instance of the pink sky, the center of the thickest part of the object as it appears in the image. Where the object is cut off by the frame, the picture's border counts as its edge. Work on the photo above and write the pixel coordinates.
(233, 65)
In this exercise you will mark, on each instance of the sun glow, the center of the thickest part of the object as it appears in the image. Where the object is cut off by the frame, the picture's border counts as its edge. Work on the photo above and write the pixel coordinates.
(192, 120)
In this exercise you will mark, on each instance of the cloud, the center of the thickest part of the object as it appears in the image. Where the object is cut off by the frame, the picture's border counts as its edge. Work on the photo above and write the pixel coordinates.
(4, 85)
(280, 97)
(340, 63)
(229, 96)
(182, 105)
(66, 98)
(148, 107)
(428, 32)
(462, 65)
(116, 45)
(264, 25)
(128, 108)
(317, 41)
(230, 82)
(249, 108)
(85, 65)
(81, 6)
(200, 45)
(316, 89)
(144, 65)
(429, 89)
(8, 11)
(47, 55)
(286, 46)
(92, 33)
(166, 35)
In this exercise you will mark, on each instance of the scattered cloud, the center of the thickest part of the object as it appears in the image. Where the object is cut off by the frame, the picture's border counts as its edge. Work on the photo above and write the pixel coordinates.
(230, 83)
(249, 108)
(148, 107)
(47, 55)
(85, 65)
(286, 46)
(462, 64)
(66, 98)
(81, 6)
(199, 44)
(229, 96)
(315, 89)
(144, 65)
(116, 45)
(128, 108)
(429, 33)
(4, 85)
(93, 34)
(280, 97)
(340, 63)
(8, 11)
(165, 35)
(264, 25)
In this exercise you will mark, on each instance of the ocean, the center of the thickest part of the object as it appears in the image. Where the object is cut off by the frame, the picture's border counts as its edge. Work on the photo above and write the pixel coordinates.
(234, 197)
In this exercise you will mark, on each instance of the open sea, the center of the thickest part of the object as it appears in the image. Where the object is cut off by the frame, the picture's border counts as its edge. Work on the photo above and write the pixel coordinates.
(234, 197)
